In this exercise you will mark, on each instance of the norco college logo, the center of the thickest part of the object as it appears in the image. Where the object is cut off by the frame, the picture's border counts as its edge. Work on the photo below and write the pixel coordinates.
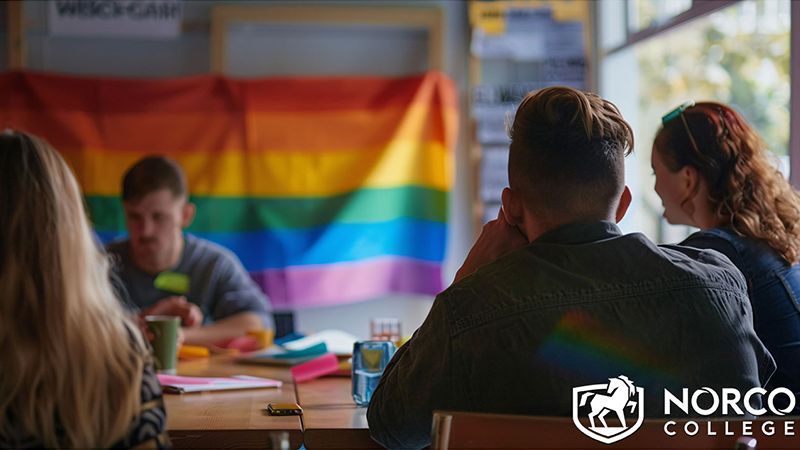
(597, 401)
(618, 394)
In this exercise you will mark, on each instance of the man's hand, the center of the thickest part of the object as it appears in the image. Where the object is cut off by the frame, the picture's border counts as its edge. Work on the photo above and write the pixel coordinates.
(497, 238)
(222, 329)
(181, 338)
(189, 313)
(143, 328)
(149, 336)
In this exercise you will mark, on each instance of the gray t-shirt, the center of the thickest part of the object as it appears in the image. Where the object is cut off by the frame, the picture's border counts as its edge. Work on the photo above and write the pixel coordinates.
(219, 284)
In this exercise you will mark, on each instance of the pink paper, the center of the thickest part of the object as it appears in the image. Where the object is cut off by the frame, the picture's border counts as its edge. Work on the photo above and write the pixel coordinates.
(317, 367)
(175, 379)
(172, 380)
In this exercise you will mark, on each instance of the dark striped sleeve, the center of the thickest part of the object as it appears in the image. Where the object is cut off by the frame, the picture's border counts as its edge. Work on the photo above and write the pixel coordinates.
(150, 431)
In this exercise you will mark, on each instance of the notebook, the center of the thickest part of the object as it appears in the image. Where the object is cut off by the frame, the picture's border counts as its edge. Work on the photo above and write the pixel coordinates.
(174, 384)
(336, 341)
(280, 357)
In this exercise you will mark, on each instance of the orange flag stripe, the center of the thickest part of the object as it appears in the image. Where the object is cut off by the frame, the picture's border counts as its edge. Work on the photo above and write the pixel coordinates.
(210, 93)
(171, 133)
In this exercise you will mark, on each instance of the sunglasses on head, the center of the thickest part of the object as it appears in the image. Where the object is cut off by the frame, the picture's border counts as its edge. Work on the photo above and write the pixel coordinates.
(679, 112)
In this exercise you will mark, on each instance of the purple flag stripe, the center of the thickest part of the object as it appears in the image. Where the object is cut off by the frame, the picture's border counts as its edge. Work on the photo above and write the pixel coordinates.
(339, 283)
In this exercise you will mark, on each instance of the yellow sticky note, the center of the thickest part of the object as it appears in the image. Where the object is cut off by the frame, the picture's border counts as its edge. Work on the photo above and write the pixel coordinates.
(189, 351)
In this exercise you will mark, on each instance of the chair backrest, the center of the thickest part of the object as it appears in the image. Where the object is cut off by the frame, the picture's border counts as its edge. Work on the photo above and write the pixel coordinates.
(460, 430)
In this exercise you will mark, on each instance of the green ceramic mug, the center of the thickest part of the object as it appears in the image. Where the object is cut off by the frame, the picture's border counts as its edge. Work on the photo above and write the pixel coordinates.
(165, 342)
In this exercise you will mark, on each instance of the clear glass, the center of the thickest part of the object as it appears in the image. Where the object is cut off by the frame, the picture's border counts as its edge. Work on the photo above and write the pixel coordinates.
(370, 358)
(385, 329)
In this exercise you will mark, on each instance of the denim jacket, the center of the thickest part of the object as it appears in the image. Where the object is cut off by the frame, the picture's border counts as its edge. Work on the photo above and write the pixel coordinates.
(774, 289)
(579, 305)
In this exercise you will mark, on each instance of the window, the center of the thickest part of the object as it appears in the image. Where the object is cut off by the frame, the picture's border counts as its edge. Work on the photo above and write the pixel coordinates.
(643, 14)
(738, 55)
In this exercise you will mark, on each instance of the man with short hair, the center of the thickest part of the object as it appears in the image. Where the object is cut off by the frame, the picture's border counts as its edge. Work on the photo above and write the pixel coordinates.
(202, 282)
(553, 296)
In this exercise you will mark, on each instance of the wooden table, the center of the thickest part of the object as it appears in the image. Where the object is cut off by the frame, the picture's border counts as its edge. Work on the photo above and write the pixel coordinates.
(239, 419)
(232, 419)
(331, 419)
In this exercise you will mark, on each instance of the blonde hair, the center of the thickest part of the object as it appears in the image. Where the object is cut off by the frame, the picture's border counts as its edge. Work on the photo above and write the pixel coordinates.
(745, 191)
(71, 357)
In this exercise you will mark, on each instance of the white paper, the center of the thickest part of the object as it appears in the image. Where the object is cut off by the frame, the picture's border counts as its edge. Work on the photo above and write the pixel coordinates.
(531, 34)
(494, 173)
(337, 341)
(139, 18)
(247, 382)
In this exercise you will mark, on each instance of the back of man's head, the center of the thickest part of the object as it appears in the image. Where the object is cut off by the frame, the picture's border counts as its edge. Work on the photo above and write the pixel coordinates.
(152, 174)
(567, 154)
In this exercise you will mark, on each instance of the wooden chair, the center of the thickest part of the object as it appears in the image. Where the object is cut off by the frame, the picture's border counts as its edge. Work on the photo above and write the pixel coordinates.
(460, 430)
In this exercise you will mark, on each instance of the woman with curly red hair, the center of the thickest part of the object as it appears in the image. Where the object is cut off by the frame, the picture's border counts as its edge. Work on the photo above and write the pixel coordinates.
(713, 172)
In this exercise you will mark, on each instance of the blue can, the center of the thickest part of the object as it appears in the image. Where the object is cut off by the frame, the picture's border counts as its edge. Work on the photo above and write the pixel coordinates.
(370, 358)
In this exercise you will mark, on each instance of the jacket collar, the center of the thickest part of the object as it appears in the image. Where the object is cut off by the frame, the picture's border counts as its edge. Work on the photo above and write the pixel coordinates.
(580, 233)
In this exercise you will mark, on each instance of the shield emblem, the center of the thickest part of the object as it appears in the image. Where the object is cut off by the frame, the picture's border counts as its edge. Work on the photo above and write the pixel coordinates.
(599, 402)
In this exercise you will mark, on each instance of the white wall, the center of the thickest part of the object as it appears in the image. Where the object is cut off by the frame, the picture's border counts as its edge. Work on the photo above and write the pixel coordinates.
(189, 55)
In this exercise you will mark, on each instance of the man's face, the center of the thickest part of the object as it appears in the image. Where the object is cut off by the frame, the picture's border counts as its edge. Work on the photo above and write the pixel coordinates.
(155, 225)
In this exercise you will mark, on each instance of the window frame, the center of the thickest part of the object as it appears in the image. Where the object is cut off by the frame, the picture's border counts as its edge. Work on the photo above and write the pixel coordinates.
(430, 19)
(698, 9)
(702, 8)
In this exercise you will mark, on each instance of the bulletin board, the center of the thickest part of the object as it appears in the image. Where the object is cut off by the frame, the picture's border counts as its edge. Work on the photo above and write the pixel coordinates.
(517, 47)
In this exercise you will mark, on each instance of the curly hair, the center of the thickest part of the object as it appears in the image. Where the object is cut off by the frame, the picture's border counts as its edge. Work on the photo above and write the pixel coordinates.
(745, 190)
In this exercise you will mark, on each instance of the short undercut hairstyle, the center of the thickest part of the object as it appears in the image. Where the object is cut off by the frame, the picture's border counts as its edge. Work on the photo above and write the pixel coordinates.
(152, 174)
(567, 155)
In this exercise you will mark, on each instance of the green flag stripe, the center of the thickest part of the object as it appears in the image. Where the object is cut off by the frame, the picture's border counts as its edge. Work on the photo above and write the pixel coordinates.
(221, 214)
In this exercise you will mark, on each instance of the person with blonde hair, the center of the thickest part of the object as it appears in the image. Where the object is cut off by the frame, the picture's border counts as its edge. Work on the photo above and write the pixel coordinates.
(553, 296)
(713, 172)
(74, 368)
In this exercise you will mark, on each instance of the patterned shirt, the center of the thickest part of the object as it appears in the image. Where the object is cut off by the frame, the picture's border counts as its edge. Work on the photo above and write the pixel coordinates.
(149, 431)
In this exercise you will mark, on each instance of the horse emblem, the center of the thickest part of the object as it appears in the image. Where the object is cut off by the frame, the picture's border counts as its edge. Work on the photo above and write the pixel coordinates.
(601, 399)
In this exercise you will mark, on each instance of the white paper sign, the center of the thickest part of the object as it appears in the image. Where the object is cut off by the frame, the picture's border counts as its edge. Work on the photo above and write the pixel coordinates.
(531, 34)
(140, 18)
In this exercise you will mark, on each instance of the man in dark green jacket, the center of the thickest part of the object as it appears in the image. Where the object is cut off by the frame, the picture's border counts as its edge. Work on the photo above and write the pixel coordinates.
(553, 296)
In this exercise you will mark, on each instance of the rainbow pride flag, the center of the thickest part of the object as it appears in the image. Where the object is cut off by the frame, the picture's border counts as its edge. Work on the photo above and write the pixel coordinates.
(330, 190)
